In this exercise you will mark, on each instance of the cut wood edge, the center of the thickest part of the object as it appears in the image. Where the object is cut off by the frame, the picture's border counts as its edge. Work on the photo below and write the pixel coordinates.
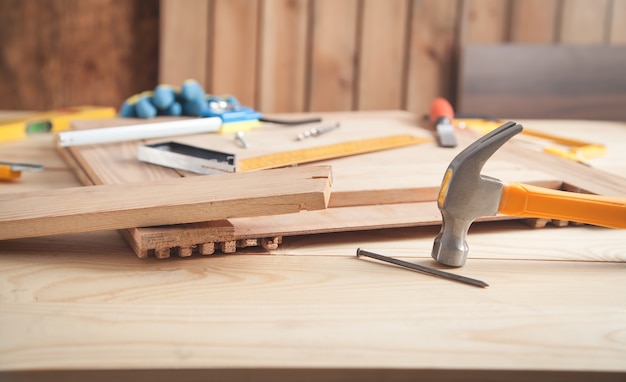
(165, 202)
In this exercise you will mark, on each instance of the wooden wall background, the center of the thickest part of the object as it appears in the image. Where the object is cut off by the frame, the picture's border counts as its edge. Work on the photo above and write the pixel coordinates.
(59, 53)
(275, 55)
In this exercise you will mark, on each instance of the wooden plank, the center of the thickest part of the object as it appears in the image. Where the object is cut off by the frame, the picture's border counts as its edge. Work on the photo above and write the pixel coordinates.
(283, 53)
(345, 219)
(534, 21)
(173, 201)
(184, 41)
(333, 59)
(550, 81)
(215, 318)
(382, 56)
(432, 52)
(375, 178)
(617, 33)
(369, 191)
(234, 40)
(223, 310)
(485, 21)
(583, 22)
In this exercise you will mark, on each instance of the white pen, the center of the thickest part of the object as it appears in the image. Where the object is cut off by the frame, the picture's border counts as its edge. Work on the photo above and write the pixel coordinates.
(141, 131)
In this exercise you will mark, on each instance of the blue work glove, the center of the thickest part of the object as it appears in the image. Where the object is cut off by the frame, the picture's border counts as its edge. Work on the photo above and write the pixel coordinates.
(189, 100)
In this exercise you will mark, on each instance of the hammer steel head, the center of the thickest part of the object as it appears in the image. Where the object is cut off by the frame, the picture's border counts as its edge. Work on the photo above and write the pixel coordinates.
(465, 195)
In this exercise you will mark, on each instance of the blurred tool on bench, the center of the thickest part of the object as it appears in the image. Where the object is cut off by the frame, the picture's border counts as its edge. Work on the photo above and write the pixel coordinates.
(50, 122)
(441, 116)
(568, 148)
(14, 170)
(466, 195)
(191, 100)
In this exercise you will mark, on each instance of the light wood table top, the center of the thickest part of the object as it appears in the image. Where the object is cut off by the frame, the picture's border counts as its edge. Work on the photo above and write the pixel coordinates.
(83, 306)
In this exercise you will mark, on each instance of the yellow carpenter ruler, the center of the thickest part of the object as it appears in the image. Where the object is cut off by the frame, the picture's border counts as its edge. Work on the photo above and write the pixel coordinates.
(563, 147)
(51, 121)
(338, 150)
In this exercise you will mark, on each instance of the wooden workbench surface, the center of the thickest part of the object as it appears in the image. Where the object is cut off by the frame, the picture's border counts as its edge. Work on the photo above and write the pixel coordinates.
(84, 306)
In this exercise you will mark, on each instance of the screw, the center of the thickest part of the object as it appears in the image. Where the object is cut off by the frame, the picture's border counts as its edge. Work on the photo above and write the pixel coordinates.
(314, 132)
(239, 138)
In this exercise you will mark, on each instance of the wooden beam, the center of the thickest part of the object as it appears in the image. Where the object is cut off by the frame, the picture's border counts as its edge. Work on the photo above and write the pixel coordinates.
(183, 24)
(583, 22)
(164, 202)
(432, 51)
(233, 67)
(382, 55)
(333, 63)
(282, 56)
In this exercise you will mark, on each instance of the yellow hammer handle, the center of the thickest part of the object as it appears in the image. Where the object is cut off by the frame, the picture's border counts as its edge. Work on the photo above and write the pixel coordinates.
(530, 201)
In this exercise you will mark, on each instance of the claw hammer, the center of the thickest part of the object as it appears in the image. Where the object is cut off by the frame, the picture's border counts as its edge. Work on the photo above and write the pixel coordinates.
(465, 195)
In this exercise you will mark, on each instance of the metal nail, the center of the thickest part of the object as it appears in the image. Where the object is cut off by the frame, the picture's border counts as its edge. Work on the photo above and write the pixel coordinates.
(421, 268)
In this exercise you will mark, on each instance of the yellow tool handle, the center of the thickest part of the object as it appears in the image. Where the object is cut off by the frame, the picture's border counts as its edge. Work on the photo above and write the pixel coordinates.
(530, 201)
(6, 172)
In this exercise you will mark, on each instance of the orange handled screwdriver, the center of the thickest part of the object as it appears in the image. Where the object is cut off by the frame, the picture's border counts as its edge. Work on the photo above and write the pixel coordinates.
(441, 115)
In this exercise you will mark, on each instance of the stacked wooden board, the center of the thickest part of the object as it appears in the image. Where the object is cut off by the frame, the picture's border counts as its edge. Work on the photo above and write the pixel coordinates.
(167, 201)
(387, 189)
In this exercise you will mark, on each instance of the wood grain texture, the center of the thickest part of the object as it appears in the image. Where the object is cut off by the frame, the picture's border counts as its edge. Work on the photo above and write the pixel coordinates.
(234, 54)
(165, 241)
(183, 23)
(375, 178)
(369, 191)
(173, 201)
(283, 56)
(584, 22)
(62, 53)
(334, 59)
(311, 307)
(41, 149)
(618, 23)
(543, 81)
(534, 21)
(485, 21)
(324, 374)
(59, 53)
(82, 307)
(382, 59)
(432, 53)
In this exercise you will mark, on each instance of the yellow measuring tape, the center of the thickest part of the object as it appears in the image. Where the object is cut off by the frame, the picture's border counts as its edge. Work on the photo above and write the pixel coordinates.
(338, 150)
(564, 147)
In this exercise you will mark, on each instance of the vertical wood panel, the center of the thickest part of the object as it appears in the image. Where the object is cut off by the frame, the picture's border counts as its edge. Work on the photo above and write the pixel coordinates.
(485, 21)
(534, 21)
(233, 65)
(283, 55)
(432, 51)
(183, 23)
(333, 55)
(618, 23)
(382, 54)
(583, 21)
(61, 53)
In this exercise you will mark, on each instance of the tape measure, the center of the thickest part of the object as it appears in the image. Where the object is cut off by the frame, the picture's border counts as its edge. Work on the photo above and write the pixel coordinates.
(338, 150)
